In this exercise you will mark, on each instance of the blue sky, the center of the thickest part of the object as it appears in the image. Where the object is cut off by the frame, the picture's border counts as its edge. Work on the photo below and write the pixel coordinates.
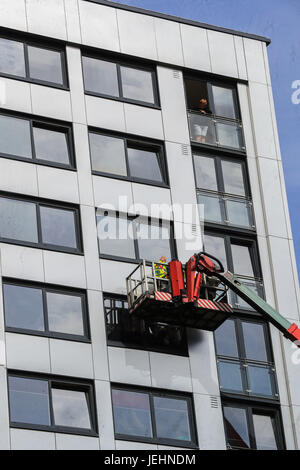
(279, 20)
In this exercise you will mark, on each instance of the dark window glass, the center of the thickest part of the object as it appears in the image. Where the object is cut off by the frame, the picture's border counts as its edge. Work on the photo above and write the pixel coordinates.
(45, 65)
(236, 427)
(65, 313)
(226, 341)
(120, 156)
(18, 220)
(224, 102)
(260, 380)
(70, 408)
(58, 227)
(216, 247)
(29, 401)
(114, 80)
(51, 145)
(26, 307)
(132, 414)
(15, 137)
(231, 376)
(127, 331)
(51, 403)
(137, 84)
(212, 208)
(108, 154)
(239, 213)
(155, 417)
(12, 61)
(205, 170)
(23, 307)
(100, 76)
(115, 236)
(233, 177)
(250, 427)
(244, 342)
(255, 342)
(242, 263)
(144, 164)
(172, 419)
(264, 432)
(153, 241)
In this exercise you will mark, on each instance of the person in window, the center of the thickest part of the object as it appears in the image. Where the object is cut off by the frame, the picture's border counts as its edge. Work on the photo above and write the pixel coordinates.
(200, 130)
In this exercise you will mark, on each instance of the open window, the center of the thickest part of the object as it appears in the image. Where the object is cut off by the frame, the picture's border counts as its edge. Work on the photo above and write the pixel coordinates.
(213, 112)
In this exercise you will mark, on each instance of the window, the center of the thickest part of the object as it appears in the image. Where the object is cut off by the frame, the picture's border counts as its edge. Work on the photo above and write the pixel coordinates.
(133, 238)
(214, 114)
(33, 62)
(36, 141)
(239, 255)
(252, 427)
(150, 416)
(222, 187)
(45, 403)
(123, 330)
(133, 159)
(46, 311)
(120, 81)
(245, 361)
(39, 224)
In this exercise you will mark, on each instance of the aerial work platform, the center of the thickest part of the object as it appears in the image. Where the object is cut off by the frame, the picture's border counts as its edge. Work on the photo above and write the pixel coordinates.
(150, 298)
(195, 295)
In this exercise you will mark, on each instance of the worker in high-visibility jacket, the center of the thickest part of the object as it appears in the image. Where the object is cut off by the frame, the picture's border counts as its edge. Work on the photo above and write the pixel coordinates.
(161, 269)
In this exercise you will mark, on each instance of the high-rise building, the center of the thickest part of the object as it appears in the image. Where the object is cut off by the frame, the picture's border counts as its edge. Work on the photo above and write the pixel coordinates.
(105, 111)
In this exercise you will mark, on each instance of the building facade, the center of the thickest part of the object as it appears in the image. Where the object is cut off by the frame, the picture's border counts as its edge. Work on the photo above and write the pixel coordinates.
(105, 110)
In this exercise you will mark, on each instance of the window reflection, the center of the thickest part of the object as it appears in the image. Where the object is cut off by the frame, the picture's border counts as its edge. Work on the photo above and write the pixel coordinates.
(264, 432)
(51, 145)
(58, 227)
(29, 401)
(23, 307)
(100, 76)
(45, 65)
(236, 427)
(70, 408)
(15, 137)
(18, 220)
(12, 61)
(171, 419)
(137, 84)
(132, 414)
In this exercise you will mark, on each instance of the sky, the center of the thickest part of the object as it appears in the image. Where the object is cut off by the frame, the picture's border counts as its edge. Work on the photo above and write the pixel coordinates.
(280, 21)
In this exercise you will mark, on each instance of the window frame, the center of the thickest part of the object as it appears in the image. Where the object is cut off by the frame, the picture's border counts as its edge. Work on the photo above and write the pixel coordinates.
(220, 193)
(48, 45)
(252, 408)
(122, 62)
(131, 218)
(136, 142)
(49, 124)
(183, 351)
(244, 362)
(50, 204)
(233, 238)
(192, 444)
(44, 288)
(65, 383)
(211, 81)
